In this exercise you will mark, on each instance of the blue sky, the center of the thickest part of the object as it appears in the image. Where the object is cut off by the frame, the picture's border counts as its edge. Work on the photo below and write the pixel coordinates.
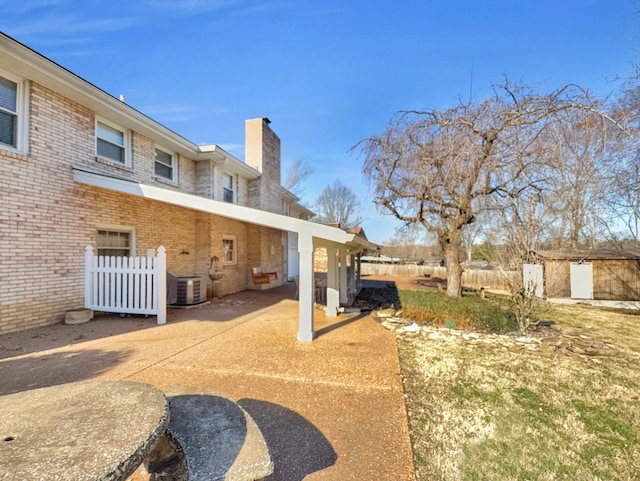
(327, 73)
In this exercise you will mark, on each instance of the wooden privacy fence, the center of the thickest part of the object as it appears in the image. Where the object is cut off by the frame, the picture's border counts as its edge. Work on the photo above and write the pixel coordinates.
(127, 285)
(474, 278)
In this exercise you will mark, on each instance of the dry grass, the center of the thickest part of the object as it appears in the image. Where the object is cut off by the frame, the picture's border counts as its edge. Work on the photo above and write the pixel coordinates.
(480, 412)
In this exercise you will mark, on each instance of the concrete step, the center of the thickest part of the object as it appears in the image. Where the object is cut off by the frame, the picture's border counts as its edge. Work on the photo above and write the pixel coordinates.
(210, 438)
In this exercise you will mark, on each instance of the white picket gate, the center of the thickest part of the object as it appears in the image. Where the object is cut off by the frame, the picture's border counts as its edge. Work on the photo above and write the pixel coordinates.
(127, 285)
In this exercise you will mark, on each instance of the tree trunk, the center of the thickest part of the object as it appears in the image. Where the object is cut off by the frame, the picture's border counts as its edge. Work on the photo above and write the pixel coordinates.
(450, 247)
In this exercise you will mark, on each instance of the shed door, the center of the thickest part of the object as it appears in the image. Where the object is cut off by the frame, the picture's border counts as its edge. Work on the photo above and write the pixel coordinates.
(532, 279)
(581, 281)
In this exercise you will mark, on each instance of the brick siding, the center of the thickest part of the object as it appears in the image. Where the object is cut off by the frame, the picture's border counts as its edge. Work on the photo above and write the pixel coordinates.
(47, 219)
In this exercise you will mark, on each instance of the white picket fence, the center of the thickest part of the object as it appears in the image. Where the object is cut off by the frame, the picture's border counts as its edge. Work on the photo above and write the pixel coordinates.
(126, 285)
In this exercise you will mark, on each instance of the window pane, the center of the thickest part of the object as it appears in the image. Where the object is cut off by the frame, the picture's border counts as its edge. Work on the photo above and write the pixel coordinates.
(8, 129)
(8, 94)
(227, 195)
(110, 151)
(110, 134)
(164, 164)
(229, 250)
(164, 171)
(113, 252)
(113, 243)
(164, 157)
(227, 181)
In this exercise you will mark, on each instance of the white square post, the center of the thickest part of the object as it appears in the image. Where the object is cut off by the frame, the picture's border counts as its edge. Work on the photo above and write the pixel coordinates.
(333, 296)
(306, 288)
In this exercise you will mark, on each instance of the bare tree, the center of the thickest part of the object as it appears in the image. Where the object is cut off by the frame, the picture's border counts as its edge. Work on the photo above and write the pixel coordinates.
(623, 196)
(582, 175)
(297, 173)
(520, 228)
(338, 204)
(437, 168)
(624, 202)
(410, 243)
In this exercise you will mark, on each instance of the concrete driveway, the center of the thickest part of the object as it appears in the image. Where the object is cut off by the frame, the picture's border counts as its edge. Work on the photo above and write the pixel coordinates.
(332, 409)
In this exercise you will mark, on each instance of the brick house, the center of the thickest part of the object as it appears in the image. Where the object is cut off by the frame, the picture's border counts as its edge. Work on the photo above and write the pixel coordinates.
(81, 167)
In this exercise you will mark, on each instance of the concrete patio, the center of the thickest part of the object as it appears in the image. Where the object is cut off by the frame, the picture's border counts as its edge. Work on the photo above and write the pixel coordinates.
(331, 409)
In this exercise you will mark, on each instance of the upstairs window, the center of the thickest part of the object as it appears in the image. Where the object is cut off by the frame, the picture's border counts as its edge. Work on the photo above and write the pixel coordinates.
(227, 188)
(165, 164)
(8, 112)
(112, 143)
(12, 114)
(117, 243)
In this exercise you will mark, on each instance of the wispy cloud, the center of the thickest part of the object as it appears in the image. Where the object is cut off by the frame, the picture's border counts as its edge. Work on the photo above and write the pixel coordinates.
(61, 28)
(170, 113)
(62, 23)
(187, 8)
(167, 113)
(11, 7)
(236, 149)
(191, 7)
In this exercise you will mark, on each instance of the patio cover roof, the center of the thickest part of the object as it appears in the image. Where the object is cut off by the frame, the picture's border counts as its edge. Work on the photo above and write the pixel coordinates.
(322, 234)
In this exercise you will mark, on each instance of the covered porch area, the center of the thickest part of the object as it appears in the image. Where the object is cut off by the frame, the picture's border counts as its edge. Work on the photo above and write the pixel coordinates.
(341, 245)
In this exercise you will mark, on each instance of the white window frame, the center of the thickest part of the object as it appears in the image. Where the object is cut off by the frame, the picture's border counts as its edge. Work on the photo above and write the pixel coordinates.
(21, 113)
(119, 229)
(174, 164)
(126, 138)
(234, 184)
(234, 250)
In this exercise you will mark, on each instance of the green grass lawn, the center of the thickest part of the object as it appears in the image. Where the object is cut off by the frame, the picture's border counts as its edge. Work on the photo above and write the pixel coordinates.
(489, 412)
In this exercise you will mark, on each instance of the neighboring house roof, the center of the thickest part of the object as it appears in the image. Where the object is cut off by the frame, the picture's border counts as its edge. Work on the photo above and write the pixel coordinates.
(323, 233)
(382, 259)
(586, 255)
(358, 231)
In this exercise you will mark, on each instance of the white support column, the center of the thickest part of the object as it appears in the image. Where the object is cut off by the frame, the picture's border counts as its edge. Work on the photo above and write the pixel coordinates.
(88, 277)
(333, 296)
(344, 291)
(161, 294)
(306, 288)
(351, 278)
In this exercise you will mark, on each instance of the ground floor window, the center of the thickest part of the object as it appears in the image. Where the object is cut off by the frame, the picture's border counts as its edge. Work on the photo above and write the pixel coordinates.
(229, 249)
(115, 242)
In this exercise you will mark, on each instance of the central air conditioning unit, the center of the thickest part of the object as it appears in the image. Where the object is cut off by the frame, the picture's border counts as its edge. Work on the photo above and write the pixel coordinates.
(191, 290)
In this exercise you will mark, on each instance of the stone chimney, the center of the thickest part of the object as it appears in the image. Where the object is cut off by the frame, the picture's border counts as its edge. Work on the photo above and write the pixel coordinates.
(262, 149)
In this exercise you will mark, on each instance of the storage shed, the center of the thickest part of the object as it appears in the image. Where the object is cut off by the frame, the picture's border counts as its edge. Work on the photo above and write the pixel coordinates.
(599, 274)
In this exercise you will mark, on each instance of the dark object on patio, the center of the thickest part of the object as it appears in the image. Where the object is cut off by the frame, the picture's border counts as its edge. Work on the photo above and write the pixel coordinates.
(378, 294)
